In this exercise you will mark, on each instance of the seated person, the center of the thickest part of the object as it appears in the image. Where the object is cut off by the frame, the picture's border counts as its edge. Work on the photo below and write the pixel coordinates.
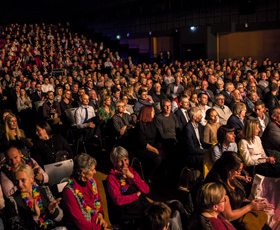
(251, 149)
(223, 111)
(202, 104)
(261, 115)
(156, 217)
(175, 89)
(270, 98)
(106, 111)
(142, 100)
(212, 126)
(226, 141)
(126, 188)
(38, 95)
(122, 123)
(226, 170)
(14, 136)
(86, 120)
(31, 206)
(129, 108)
(161, 216)
(51, 110)
(193, 145)
(271, 135)
(146, 142)
(238, 119)
(250, 101)
(45, 149)
(14, 158)
(84, 208)
(211, 203)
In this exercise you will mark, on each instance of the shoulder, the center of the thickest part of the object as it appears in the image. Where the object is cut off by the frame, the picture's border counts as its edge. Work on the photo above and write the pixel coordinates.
(207, 127)
(79, 109)
(188, 126)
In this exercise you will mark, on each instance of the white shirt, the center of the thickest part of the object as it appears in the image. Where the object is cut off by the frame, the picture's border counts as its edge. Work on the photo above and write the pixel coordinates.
(262, 124)
(47, 88)
(252, 152)
(203, 113)
(197, 134)
(80, 115)
(185, 111)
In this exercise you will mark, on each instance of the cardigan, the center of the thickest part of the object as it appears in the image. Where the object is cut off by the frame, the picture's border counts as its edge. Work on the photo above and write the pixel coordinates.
(114, 187)
(76, 211)
(19, 216)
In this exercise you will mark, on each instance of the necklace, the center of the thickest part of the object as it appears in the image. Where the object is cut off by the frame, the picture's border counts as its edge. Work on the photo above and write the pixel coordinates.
(124, 186)
(80, 195)
(43, 222)
(26, 159)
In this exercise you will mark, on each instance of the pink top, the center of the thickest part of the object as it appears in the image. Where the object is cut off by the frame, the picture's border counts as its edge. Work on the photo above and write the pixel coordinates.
(114, 187)
(221, 223)
(74, 208)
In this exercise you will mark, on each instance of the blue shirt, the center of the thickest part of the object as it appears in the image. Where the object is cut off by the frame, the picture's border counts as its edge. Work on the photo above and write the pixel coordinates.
(217, 149)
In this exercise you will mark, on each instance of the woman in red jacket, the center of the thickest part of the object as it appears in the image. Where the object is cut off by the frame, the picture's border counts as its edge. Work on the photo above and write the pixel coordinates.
(81, 196)
(126, 188)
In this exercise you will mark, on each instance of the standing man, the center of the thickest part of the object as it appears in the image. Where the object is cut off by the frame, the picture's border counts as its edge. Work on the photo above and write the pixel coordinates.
(182, 113)
(193, 144)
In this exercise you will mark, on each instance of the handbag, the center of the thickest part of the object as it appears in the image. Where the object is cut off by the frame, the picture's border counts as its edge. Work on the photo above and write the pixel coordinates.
(254, 220)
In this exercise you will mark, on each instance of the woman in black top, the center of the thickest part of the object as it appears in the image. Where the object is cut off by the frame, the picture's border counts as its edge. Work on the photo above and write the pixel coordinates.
(226, 170)
(146, 151)
(13, 135)
(45, 149)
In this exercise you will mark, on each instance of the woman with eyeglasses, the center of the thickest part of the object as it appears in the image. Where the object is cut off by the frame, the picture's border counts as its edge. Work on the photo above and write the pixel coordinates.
(211, 199)
(237, 208)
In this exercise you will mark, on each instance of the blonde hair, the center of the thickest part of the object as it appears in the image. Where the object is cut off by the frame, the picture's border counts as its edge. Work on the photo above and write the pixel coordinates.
(105, 98)
(119, 103)
(65, 91)
(249, 129)
(24, 168)
(209, 195)
(9, 133)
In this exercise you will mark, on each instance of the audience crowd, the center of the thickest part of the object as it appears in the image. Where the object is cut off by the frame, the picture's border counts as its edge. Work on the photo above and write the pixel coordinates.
(58, 87)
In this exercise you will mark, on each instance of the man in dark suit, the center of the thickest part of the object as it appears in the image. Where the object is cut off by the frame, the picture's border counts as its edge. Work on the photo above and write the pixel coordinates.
(175, 89)
(271, 135)
(270, 99)
(38, 95)
(238, 119)
(227, 91)
(182, 113)
(93, 100)
(261, 115)
(204, 89)
(193, 145)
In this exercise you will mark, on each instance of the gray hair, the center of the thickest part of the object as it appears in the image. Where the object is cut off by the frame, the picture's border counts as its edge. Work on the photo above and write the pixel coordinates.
(193, 111)
(117, 153)
(24, 168)
(238, 107)
(229, 84)
(274, 111)
(239, 85)
(83, 162)
(220, 80)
